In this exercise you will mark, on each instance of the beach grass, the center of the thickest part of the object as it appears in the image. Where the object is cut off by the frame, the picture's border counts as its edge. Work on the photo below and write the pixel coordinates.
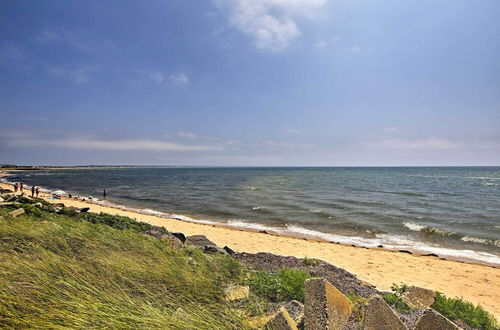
(56, 272)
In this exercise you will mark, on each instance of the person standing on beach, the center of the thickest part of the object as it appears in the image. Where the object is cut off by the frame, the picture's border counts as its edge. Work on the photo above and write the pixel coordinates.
(104, 193)
(16, 187)
(21, 186)
(32, 191)
(37, 191)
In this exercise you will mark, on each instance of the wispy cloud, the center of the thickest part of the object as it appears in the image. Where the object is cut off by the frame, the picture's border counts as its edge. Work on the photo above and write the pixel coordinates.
(282, 144)
(90, 143)
(431, 143)
(392, 129)
(76, 40)
(156, 76)
(323, 43)
(187, 135)
(179, 79)
(272, 24)
(78, 75)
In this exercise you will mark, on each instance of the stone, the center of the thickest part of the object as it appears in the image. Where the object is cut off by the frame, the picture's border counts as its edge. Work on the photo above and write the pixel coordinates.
(16, 213)
(1, 199)
(84, 210)
(432, 320)
(239, 292)
(180, 236)
(229, 250)
(199, 241)
(380, 316)
(214, 250)
(281, 321)
(295, 309)
(162, 233)
(417, 297)
(258, 322)
(325, 307)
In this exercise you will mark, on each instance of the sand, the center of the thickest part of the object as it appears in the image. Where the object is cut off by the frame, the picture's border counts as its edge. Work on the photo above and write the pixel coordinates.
(479, 284)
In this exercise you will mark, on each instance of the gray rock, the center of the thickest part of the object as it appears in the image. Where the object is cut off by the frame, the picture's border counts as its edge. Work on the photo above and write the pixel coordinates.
(419, 297)
(295, 309)
(432, 320)
(180, 236)
(162, 233)
(379, 316)
(199, 241)
(229, 250)
(325, 306)
(1, 199)
(281, 321)
(214, 250)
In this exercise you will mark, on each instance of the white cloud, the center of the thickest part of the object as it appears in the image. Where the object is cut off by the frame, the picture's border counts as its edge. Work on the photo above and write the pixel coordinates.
(77, 75)
(179, 79)
(89, 143)
(430, 143)
(156, 76)
(325, 43)
(281, 144)
(272, 24)
(187, 135)
(392, 129)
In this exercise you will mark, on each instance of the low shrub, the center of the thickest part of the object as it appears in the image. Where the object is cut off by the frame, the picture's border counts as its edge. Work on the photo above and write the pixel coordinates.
(115, 221)
(286, 284)
(459, 309)
(395, 298)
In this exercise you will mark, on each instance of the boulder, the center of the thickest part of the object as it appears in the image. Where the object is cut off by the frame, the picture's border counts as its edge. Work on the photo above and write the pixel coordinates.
(180, 236)
(281, 321)
(380, 316)
(1, 199)
(198, 241)
(417, 297)
(325, 306)
(239, 292)
(16, 213)
(229, 250)
(162, 233)
(296, 310)
(214, 250)
(432, 320)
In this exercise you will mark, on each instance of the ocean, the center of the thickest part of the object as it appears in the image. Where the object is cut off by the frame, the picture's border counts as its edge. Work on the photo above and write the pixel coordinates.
(453, 212)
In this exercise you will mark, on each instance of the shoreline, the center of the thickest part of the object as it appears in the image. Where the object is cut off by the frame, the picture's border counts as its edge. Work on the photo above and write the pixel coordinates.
(381, 267)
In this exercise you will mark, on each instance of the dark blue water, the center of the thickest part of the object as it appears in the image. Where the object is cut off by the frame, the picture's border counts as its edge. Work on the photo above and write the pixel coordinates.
(449, 211)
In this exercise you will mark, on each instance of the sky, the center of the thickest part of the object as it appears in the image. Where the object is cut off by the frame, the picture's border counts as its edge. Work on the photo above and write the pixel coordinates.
(250, 82)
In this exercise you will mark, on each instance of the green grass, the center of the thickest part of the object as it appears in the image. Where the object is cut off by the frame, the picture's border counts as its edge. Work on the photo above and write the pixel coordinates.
(61, 272)
(285, 284)
(310, 262)
(395, 298)
(459, 309)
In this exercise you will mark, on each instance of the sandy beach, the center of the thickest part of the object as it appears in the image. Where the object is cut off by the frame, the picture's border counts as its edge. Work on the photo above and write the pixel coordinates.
(479, 284)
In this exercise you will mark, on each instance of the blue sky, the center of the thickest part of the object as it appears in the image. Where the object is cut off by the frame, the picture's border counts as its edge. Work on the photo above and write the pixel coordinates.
(250, 82)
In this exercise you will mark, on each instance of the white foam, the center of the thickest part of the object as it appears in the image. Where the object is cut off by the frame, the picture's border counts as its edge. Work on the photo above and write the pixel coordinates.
(153, 212)
(413, 226)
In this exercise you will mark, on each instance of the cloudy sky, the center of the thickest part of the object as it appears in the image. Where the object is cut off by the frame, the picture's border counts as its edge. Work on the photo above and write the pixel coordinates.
(250, 82)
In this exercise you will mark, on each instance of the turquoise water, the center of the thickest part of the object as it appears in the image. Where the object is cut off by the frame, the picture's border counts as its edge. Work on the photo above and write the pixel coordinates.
(451, 211)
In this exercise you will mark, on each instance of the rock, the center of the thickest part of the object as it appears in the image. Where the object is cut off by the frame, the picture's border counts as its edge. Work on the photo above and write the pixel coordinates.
(199, 241)
(295, 309)
(84, 210)
(180, 236)
(162, 233)
(214, 250)
(237, 292)
(325, 306)
(281, 321)
(419, 297)
(58, 205)
(258, 322)
(229, 250)
(1, 199)
(405, 251)
(432, 320)
(16, 213)
(430, 255)
(379, 316)
(38, 204)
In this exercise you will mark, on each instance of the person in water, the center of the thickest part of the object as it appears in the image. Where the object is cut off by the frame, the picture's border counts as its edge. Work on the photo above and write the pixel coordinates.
(32, 191)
